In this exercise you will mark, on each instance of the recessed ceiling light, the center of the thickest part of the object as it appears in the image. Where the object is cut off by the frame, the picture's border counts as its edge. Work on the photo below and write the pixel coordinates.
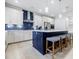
(67, 19)
(16, 1)
(52, 1)
(46, 9)
(60, 15)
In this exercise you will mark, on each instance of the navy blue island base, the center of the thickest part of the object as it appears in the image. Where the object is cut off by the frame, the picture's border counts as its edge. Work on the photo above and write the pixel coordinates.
(39, 39)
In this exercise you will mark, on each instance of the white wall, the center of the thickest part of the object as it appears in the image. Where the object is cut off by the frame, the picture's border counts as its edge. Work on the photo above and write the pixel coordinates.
(60, 24)
(70, 25)
(13, 16)
(64, 24)
(37, 21)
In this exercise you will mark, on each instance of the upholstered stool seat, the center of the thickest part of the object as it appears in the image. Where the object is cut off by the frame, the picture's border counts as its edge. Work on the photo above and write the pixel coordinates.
(63, 36)
(53, 39)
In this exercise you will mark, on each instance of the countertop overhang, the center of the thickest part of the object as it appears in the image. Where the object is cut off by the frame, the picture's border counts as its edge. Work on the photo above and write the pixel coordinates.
(49, 30)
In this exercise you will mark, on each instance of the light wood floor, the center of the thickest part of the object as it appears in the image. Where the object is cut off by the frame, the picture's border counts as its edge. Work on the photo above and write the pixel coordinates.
(25, 50)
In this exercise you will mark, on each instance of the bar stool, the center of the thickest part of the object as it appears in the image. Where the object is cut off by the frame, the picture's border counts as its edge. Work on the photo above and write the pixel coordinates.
(69, 39)
(63, 41)
(54, 41)
(72, 38)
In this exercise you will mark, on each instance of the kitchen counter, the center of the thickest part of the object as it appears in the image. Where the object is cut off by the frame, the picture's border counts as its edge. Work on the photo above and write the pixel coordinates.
(48, 30)
(39, 38)
(18, 35)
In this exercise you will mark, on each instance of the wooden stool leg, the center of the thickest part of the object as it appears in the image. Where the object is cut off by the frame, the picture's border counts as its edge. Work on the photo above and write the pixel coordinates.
(66, 42)
(61, 44)
(46, 45)
(53, 50)
(70, 42)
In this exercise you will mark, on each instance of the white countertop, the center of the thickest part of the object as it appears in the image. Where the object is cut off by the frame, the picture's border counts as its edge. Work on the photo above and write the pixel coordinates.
(49, 30)
(35, 30)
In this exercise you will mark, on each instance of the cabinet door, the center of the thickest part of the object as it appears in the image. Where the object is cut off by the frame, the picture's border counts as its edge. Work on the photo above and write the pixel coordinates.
(10, 37)
(35, 40)
(18, 35)
(27, 34)
(25, 16)
(40, 41)
(31, 15)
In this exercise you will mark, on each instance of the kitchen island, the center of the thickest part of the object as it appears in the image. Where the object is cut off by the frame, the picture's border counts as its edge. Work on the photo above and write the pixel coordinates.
(39, 38)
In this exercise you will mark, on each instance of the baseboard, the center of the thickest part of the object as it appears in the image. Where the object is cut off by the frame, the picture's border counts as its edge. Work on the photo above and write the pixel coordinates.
(19, 42)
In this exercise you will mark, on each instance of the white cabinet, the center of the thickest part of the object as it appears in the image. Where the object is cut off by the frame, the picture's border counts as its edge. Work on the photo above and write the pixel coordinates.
(27, 35)
(13, 16)
(18, 35)
(10, 37)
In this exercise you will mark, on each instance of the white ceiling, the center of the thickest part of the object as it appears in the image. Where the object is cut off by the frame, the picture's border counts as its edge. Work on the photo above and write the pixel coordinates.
(64, 7)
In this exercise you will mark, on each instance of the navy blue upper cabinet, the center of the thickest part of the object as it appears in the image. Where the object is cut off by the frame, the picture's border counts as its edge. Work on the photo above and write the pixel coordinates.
(31, 15)
(27, 20)
(25, 13)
